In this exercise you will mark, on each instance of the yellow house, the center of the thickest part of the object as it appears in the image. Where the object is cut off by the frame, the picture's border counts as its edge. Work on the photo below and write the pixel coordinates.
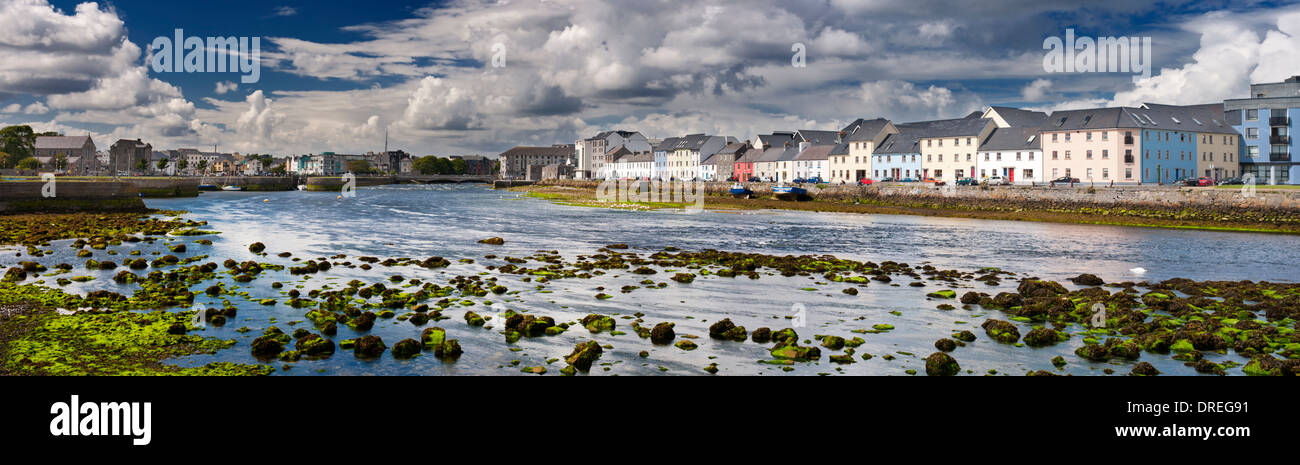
(862, 137)
(948, 147)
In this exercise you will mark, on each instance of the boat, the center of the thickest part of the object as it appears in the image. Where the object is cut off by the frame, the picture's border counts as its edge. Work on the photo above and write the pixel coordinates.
(739, 191)
(784, 192)
(209, 187)
(302, 187)
(232, 188)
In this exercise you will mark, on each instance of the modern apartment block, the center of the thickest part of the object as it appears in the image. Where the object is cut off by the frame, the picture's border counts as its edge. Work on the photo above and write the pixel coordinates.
(1265, 121)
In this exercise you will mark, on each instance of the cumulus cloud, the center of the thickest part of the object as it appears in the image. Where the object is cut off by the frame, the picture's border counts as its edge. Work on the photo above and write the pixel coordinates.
(1036, 91)
(226, 86)
(906, 101)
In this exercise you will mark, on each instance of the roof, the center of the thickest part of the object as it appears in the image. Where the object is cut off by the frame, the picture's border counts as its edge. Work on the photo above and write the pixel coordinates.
(841, 148)
(772, 154)
(950, 127)
(734, 147)
(1018, 118)
(519, 151)
(667, 144)
(777, 138)
(907, 140)
(690, 142)
(61, 142)
(865, 129)
(1013, 138)
(814, 152)
(643, 157)
(818, 137)
(620, 133)
(750, 156)
(1208, 118)
(1092, 118)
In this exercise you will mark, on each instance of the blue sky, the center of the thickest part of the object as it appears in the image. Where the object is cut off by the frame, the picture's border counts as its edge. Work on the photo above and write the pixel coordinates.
(335, 75)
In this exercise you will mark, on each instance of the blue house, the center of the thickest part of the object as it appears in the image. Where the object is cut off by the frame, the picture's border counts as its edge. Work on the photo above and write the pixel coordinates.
(1265, 120)
(898, 156)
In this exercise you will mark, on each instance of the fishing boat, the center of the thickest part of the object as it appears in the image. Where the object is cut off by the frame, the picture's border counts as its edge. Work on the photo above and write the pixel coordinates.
(739, 191)
(784, 192)
(209, 187)
(232, 188)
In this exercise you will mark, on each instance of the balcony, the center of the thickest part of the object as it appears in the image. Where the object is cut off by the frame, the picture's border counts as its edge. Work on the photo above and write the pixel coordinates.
(1279, 156)
(1281, 140)
(1279, 121)
(1128, 159)
(1128, 140)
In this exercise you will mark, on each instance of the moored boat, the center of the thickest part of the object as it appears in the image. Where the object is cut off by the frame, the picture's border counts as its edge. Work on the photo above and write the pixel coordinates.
(232, 188)
(784, 192)
(739, 191)
(209, 187)
(302, 187)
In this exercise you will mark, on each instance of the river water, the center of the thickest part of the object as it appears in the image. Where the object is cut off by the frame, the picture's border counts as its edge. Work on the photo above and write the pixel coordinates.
(419, 221)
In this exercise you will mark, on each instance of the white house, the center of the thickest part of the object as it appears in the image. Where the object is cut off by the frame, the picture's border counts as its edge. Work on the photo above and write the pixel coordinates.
(1015, 154)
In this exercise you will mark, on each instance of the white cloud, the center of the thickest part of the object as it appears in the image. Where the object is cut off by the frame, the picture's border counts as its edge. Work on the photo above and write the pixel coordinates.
(226, 86)
(285, 11)
(904, 101)
(1036, 91)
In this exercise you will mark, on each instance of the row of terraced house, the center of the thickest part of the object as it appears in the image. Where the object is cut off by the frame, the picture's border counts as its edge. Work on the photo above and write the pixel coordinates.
(1147, 144)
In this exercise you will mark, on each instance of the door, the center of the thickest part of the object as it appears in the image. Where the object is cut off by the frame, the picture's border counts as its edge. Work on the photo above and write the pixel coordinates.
(1011, 174)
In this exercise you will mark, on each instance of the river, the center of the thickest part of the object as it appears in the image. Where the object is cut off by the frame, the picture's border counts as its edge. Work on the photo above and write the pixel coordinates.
(419, 221)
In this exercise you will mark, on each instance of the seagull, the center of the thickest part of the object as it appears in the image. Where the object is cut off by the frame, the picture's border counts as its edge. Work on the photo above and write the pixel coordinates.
(1139, 270)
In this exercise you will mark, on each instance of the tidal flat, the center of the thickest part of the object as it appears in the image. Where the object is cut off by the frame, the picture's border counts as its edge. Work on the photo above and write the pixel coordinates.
(447, 280)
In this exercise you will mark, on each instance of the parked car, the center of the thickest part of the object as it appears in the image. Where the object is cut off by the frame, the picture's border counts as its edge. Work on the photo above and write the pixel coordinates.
(907, 180)
(1188, 181)
(888, 180)
(1203, 182)
(1230, 182)
(755, 179)
(815, 180)
(1066, 180)
(934, 181)
(966, 182)
(999, 181)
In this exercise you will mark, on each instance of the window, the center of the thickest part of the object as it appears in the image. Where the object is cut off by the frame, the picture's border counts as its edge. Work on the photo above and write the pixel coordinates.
(938, 173)
(1031, 156)
(999, 156)
(1252, 133)
(1055, 156)
(1089, 173)
(986, 156)
(967, 141)
(956, 141)
(967, 157)
(1027, 173)
(1067, 137)
(984, 173)
(1128, 173)
(1067, 154)
(927, 143)
(1252, 115)
(1105, 135)
(941, 158)
(1089, 136)
(1088, 155)
(1067, 172)
(1017, 156)
(929, 158)
(1105, 173)
(1053, 137)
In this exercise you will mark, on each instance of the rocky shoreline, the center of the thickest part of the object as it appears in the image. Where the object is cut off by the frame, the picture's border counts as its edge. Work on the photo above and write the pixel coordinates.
(1275, 212)
(1250, 325)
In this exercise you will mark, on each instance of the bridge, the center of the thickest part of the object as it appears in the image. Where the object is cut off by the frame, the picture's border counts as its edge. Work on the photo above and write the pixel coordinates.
(444, 178)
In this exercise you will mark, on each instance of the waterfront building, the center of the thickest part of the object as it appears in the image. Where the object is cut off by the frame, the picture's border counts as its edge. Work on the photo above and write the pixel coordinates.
(475, 165)
(1214, 142)
(811, 163)
(1265, 121)
(685, 156)
(1014, 154)
(77, 154)
(515, 162)
(898, 156)
(661, 151)
(591, 154)
(765, 165)
(743, 168)
(725, 160)
(1102, 145)
(862, 137)
(948, 147)
(628, 165)
(125, 155)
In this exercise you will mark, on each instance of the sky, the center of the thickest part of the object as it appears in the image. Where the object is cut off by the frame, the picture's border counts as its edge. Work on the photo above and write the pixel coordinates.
(469, 76)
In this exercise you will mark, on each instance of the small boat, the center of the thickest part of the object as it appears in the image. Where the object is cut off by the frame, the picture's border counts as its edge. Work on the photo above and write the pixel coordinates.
(739, 191)
(784, 192)
(302, 187)
(232, 188)
(209, 187)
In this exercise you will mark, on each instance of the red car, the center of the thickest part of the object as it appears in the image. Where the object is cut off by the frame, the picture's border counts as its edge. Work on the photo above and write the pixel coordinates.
(1202, 182)
(865, 181)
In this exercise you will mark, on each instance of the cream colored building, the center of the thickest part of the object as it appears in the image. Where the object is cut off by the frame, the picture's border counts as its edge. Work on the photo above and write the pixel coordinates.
(948, 147)
(862, 137)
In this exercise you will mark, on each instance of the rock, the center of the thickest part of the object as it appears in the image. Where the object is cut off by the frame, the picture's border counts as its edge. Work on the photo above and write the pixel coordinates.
(720, 327)
(312, 345)
(944, 294)
(583, 355)
(712, 368)
(1087, 279)
(684, 278)
(267, 346)
(941, 364)
(406, 348)
(833, 342)
(597, 323)
(1058, 361)
(784, 334)
(368, 346)
(964, 336)
(474, 319)
(663, 333)
(1001, 331)
(686, 344)
(492, 241)
(761, 335)
(1144, 369)
(176, 328)
(1039, 337)
(790, 349)
(945, 344)
(970, 298)
(1038, 288)
(256, 247)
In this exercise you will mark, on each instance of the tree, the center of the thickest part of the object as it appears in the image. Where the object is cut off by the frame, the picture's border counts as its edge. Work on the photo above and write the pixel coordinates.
(182, 164)
(458, 166)
(358, 166)
(29, 163)
(4, 159)
(203, 166)
(18, 141)
(425, 165)
(277, 169)
(162, 164)
(142, 164)
(60, 162)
